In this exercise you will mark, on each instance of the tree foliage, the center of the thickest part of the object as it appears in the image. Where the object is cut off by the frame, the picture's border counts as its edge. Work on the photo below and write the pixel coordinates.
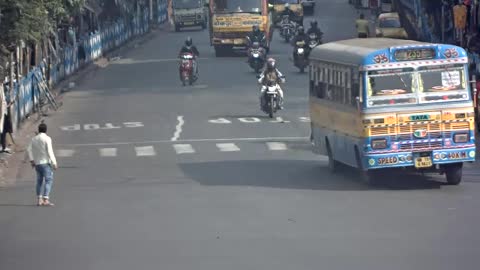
(30, 20)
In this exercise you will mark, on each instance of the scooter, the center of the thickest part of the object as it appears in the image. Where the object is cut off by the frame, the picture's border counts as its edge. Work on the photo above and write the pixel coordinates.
(186, 69)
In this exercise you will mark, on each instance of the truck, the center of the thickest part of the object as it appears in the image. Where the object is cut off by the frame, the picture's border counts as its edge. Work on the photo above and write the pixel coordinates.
(187, 13)
(279, 6)
(230, 21)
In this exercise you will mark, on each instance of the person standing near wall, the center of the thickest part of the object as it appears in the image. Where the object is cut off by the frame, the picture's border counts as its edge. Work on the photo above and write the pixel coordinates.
(6, 119)
(363, 27)
(460, 19)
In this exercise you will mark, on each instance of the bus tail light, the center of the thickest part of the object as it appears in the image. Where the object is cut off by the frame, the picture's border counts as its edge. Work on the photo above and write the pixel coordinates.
(460, 138)
(379, 144)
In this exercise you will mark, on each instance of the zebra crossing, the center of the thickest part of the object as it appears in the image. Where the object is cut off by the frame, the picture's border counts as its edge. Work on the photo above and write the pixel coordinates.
(177, 148)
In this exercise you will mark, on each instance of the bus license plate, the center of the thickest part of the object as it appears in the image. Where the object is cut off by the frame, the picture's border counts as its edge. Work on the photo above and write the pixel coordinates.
(423, 162)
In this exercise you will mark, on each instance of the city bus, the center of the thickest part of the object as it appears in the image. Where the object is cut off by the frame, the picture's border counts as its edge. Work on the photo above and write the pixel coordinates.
(378, 104)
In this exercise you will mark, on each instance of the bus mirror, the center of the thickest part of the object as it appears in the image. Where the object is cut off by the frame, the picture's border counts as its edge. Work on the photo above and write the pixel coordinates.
(359, 103)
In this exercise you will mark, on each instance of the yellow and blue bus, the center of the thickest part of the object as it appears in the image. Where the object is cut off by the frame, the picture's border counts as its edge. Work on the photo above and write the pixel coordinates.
(383, 103)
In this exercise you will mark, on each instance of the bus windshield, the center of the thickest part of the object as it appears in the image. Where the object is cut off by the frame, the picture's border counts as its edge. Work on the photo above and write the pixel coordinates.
(423, 85)
(239, 6)
(187, 4)
(393, 86)
(390, 23)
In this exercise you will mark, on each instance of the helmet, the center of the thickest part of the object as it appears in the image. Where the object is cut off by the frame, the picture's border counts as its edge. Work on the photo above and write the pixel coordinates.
(188, 41)
(270, 63)
(255, 29)
(287, 6)
(301, 31)
(314, 24)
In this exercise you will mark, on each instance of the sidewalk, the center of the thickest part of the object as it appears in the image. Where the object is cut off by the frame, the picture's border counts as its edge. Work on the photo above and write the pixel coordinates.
(11, 165)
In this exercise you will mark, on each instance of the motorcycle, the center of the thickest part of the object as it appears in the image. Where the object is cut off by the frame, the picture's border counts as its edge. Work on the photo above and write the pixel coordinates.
(271, 98)
(256, 57)
(287, 28)
(314, 41)
(301, 60)
(186, 69)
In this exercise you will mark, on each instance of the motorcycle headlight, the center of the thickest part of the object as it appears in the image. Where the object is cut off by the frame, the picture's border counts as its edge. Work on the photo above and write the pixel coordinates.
(460, 138)
(256, 55)
(300, 50)
(379, 144)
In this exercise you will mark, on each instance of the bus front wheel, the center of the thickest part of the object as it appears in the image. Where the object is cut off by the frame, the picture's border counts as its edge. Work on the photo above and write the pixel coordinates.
(369, 177)
(453, 172)
(332, 163)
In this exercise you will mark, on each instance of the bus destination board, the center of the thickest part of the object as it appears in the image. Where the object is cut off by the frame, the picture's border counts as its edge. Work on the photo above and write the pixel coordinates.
(414, 54)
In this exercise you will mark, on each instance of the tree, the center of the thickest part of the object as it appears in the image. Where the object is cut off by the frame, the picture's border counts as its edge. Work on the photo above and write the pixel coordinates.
(30, 21)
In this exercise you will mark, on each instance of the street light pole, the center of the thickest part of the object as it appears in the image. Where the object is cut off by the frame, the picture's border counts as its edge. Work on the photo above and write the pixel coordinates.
(151, 10)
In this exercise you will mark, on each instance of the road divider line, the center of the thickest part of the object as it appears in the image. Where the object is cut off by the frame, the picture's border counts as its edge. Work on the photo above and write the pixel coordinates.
(305, 139)
(178, 128)
(108, 152)
(183, 148)
(227, 147)
(65, 152)
(276, 146)
(145, 151)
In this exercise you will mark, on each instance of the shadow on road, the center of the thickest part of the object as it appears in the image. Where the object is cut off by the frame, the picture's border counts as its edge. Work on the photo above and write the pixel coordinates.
(294, 174)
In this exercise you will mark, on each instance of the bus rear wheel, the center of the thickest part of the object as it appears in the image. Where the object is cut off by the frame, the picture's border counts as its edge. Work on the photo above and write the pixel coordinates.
(453, 172)
(332, 163)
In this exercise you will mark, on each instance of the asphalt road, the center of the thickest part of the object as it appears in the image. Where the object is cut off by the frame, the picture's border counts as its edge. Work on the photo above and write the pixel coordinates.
(158, 176)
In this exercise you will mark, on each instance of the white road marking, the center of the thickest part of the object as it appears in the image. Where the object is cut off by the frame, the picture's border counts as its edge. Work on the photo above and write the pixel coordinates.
(65, 152)
(71, 128)
(228, 147)
(183, 148)
(95, 126)
(91, 126)
(220, 121)
(276, 146)
(192, 140)
(145, 151)
(279, 119)
(108, 152)
(178, 128)
(249, 120)
(129, 61)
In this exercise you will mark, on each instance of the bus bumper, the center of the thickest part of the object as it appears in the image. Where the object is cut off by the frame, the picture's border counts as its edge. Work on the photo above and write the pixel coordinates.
(418, 160)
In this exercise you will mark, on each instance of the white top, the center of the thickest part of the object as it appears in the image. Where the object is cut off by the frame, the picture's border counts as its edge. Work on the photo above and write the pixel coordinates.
(40, 150)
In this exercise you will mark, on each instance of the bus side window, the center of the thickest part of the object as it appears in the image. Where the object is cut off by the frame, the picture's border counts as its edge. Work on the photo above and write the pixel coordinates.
(355, 88)
(321, 86)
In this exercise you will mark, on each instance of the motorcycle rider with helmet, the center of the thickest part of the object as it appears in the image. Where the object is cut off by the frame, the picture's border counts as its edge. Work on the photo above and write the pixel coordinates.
(301, 36)
(257, 36)
(314, 29)
(273, 76)
(190, 48)
(288, 12)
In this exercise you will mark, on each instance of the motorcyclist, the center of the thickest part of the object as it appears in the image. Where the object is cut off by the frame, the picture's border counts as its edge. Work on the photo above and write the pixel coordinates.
(301, 36)
(257, 36)
(270, 75)
(288, 12)
(190, 48)
(315, 30)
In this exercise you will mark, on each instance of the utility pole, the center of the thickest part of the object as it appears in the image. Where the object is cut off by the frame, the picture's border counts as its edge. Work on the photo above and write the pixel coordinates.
(151, 9)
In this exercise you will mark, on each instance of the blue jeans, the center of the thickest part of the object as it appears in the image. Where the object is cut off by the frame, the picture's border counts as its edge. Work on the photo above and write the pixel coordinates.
(44, 172)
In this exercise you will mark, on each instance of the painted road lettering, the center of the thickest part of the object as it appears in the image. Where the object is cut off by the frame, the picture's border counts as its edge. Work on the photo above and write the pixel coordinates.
(106, 126)
(251, 120)
(220, 121)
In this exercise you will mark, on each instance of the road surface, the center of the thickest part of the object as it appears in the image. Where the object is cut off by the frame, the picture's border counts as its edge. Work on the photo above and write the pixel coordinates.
(154, 175)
